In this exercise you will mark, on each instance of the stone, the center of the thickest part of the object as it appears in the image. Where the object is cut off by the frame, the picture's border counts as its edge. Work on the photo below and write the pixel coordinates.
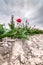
(23, 52)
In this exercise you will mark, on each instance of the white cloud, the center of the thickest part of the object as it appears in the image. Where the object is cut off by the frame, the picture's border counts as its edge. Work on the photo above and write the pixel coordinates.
(25, 9)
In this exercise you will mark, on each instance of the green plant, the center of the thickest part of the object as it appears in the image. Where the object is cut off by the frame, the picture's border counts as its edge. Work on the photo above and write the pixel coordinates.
(18, 32)
(2, 30)
(11, 26)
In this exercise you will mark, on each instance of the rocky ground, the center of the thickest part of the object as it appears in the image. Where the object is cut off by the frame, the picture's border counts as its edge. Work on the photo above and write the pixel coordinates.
(22, 52)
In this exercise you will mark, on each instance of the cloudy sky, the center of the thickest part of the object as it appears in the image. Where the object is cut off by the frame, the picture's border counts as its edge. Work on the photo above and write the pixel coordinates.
(32, 10)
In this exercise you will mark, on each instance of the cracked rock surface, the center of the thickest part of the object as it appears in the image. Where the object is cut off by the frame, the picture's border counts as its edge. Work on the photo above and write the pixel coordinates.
(22, 52)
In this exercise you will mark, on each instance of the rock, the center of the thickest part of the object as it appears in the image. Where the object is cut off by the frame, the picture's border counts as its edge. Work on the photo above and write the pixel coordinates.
(24, 52)
(5, 63)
